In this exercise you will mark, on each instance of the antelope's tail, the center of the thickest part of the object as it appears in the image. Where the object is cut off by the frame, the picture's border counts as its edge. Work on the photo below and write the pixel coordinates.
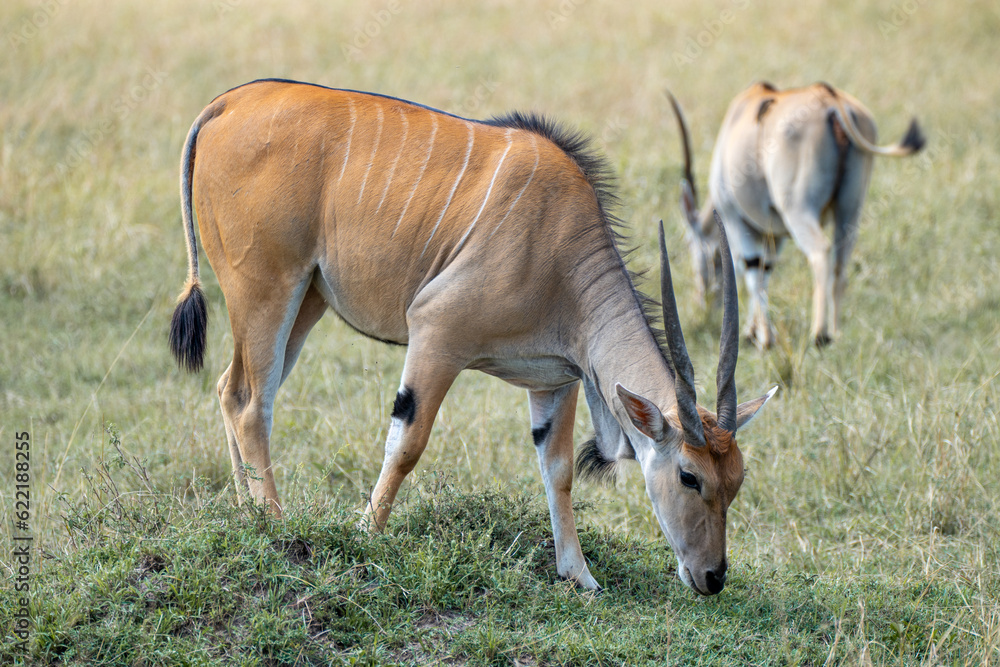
(912, 142)
(189, 324)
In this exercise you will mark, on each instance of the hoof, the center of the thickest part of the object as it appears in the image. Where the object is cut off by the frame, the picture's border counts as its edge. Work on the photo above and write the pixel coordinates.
(762, 343)
(822, 340)
(585, 581)
(366, 524)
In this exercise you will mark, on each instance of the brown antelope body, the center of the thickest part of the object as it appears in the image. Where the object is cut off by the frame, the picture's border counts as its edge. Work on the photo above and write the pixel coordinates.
(483, 245)
(784, 163)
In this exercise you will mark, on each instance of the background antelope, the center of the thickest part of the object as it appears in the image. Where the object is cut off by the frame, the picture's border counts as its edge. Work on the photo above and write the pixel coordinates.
(784, 163)
(483, 245)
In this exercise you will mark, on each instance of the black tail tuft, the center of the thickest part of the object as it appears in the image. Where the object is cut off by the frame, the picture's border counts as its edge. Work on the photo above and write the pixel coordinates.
(591, 464)
(914, 139)
(188, 330)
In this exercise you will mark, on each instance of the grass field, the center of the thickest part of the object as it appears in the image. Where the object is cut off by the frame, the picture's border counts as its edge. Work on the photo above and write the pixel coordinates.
(866, 531)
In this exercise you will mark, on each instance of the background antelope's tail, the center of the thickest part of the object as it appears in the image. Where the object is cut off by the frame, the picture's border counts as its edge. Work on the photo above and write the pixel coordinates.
(189, 324)
(912, 142)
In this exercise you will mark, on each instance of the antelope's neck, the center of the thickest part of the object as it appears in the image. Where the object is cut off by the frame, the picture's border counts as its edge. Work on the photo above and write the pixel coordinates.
(621, 348)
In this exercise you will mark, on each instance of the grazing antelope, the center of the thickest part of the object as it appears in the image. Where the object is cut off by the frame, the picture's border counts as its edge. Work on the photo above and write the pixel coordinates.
(479, 244)
(784, 163)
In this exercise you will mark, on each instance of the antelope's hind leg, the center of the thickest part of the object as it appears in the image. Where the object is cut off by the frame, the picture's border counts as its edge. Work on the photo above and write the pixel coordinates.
(847, 210)
(269, 328)
(310, 312)
(552, 416)
(755, 256)
(804, 226)
(239, 477)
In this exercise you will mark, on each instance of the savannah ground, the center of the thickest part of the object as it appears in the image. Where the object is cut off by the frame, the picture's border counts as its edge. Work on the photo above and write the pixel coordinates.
(866, 531)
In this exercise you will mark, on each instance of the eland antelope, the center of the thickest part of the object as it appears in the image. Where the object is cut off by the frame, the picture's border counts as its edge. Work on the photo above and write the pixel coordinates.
(483, 245)
(784, 163)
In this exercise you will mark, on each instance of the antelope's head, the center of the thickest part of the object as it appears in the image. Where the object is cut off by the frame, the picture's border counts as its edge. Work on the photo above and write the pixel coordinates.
(690, 460)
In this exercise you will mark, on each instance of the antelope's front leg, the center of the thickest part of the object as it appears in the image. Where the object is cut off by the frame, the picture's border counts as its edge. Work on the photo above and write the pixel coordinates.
(552, 416)
(427, 376)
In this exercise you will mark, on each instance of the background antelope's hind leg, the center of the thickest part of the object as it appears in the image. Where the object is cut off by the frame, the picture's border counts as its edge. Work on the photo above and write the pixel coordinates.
(262, 322)
(552, 415)
(754, 256)
(847, 209)
(427, 375)
(845, 236)
(804, 227)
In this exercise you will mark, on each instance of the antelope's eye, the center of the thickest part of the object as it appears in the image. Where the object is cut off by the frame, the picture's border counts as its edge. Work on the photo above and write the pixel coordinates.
(689, 480)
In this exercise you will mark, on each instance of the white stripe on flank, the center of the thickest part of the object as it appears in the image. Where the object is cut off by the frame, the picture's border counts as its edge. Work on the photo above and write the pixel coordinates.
(468, 152)
(534, 144)
(350, 135)
(488, 191)
(427, 158)
(371, 160)
(392, 169)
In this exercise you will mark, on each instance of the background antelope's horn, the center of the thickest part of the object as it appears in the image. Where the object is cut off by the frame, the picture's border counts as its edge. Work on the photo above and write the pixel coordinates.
(687, 401)
(729, 343)
(685, 144)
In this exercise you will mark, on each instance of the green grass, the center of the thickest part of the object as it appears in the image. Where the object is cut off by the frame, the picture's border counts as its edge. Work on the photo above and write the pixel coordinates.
(865, 532)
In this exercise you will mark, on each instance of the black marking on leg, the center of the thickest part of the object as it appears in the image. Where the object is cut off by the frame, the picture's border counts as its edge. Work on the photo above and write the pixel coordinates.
(540, 433)
(752, 262)
(405, 406)
(590, 462)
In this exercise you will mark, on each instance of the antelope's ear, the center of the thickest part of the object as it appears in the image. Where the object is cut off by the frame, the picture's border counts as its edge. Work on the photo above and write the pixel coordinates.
(688, 204)
(745, 412)
(644, 415)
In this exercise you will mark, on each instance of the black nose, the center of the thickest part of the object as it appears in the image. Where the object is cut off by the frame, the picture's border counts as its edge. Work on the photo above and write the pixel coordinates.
(715, 579)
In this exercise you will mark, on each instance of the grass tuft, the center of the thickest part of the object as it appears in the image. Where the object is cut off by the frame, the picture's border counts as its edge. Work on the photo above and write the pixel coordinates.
(460, 577)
